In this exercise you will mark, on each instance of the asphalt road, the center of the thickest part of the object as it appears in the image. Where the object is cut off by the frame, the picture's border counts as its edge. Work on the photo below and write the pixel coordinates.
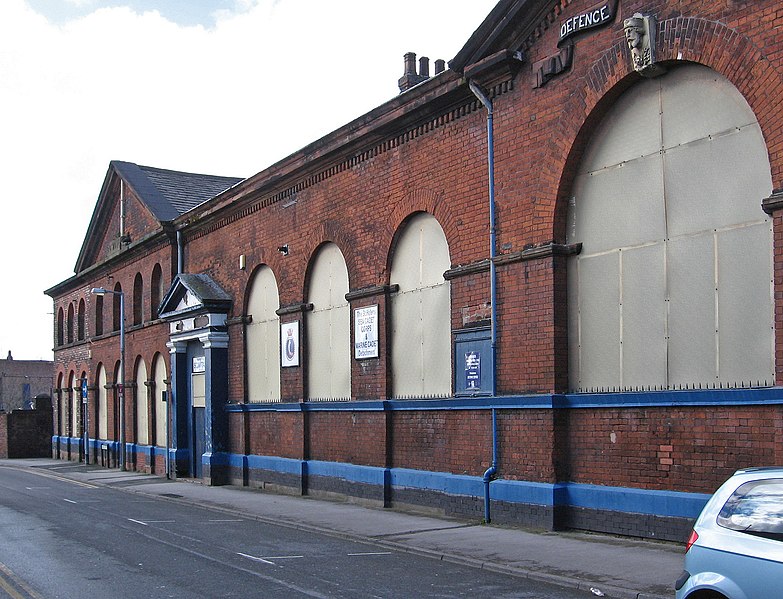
(62, 538)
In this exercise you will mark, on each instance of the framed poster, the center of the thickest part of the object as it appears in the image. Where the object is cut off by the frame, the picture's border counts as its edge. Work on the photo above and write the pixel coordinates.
(289, 344)
(365, 332)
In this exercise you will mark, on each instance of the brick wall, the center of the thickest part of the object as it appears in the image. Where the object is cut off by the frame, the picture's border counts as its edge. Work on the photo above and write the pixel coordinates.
(358, 193)
(26, 434)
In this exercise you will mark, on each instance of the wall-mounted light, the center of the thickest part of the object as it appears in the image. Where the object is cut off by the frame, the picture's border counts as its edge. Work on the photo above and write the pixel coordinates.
(242, 262)
(283, 249)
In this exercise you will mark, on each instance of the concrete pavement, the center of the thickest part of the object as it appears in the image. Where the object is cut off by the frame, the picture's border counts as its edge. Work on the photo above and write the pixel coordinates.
(601, 565)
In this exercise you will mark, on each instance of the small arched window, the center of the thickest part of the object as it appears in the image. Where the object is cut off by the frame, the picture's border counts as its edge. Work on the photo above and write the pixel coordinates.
(80, 321)
(60, 327)
(98, 315)
(156, 290)
(138, 299)
(70, 324)
(117, 305)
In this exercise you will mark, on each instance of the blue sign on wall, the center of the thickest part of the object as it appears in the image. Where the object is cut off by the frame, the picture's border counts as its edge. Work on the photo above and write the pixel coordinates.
(473, 371)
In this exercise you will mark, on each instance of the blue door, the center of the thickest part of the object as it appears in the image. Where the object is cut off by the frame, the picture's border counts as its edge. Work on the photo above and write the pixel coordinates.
(198, 404)
(198, 444)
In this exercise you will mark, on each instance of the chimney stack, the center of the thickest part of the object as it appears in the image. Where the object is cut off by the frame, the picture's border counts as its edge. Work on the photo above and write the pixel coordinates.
(411, 77)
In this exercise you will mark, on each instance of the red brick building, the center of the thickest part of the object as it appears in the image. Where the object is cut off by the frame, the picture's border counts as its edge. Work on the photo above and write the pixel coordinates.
(347, 322)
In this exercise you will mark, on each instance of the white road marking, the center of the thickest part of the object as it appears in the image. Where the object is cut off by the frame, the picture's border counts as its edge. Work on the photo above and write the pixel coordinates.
(227, 520)
(138, 522)
(256, 559)
(69, 500)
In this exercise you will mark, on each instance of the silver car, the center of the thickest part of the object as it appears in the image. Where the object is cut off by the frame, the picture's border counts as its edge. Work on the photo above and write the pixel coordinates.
(736, 548)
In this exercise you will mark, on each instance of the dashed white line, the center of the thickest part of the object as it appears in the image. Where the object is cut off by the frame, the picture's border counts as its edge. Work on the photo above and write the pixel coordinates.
(227, 520)
(69, 500)
(256, 559)
(148, 522)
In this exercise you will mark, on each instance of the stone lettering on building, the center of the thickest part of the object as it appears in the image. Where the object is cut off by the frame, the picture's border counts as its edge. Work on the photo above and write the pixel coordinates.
(596, 16)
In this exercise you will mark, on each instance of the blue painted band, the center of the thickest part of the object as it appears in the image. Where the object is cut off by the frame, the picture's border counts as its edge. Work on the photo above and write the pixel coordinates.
(647, 399)
(616, 499)
(275, 464)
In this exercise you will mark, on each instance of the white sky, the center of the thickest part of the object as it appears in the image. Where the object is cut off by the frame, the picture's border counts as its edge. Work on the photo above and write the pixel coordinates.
(83, 82)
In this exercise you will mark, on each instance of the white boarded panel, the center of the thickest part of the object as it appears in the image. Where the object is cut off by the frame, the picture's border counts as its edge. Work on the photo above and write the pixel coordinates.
(406, 349)
(644, 317)
(142, 417)
(745, 314)
(421, 310)
(698, 102)
(319, 289)
(328, 327)
(691, 275)
(619, 207)
(714, 183)
(76, 406)
(599, 306)
(573, 323)
(198, 391)
(263, 299)
(407, 267)
(340, 352)
(103, 413)
(630, 130)
(436, 340)
(262, 339)
(159, 366)
(318, 362)
(434, 252)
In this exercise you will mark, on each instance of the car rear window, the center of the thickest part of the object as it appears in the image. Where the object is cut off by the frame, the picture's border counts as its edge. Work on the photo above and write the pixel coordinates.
(755, 508)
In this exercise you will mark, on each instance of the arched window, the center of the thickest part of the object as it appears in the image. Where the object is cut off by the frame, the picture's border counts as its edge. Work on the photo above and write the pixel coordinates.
(60, 391)
(73, 404)
(115, 421)
(156, 290)
(103, 406)
(80, 321)
(60, 327)
(263, 338)
(421, 310)
(138, 299)
(159, 368)
(328, 327)
(142, 405)
(116, 304)
(98, 315)
(673, 286)
(69, 324)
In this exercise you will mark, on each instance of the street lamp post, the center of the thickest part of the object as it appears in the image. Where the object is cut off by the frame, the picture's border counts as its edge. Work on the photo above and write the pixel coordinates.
(101, 291)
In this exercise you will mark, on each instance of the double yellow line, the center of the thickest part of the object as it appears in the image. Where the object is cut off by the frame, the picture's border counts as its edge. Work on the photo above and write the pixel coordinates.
(15, 587)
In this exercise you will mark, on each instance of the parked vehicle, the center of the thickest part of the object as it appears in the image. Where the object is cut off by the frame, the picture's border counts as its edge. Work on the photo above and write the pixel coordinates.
(736, 548)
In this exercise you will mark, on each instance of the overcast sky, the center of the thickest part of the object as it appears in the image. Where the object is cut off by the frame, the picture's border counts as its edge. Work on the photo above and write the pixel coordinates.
(222, 87)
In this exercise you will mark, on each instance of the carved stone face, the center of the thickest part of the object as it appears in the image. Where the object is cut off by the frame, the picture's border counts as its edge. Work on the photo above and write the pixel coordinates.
(634, 32)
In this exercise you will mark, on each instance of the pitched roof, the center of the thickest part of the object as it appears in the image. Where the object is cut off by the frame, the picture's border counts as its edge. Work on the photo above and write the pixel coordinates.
(200, 292)
(169, 194)
(166, 194)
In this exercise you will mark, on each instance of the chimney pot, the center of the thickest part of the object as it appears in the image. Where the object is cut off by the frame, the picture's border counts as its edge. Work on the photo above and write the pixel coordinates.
(410, 63)
(424, 67)
(440, 66)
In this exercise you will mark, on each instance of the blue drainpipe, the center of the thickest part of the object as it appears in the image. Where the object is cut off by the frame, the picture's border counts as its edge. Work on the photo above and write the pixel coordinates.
(492, 470)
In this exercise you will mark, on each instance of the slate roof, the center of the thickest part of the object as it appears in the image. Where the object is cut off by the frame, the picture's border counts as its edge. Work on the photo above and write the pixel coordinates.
(169, 194)
(207, 291)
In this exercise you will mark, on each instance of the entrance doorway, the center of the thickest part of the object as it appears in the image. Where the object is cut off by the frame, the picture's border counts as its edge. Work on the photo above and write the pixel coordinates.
(197, 424)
